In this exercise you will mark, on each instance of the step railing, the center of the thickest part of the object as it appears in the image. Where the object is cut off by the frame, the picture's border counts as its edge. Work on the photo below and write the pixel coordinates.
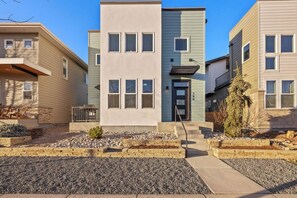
(183, 125)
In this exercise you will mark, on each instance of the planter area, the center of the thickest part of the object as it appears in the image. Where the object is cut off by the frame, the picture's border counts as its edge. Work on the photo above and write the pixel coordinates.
(12, 141)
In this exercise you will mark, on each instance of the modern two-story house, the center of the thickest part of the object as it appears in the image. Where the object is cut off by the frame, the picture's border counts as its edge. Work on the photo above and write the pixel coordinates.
(39, 73)
(145, 62)
(263, 45)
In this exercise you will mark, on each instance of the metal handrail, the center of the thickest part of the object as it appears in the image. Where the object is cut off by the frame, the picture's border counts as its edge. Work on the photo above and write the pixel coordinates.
(184, 127)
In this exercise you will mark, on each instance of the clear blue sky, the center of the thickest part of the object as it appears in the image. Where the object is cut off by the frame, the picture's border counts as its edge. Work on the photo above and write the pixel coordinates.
(70, 20)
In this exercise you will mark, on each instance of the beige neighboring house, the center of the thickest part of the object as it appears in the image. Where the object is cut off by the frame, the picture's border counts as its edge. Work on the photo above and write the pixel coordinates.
(264, 45)
(39, 71)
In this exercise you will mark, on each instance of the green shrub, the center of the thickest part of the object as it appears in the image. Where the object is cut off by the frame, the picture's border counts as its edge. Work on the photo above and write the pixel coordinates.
(13, 130)
(96, 133)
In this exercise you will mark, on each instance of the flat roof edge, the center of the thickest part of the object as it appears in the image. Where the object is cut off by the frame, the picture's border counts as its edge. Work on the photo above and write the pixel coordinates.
(184, 9)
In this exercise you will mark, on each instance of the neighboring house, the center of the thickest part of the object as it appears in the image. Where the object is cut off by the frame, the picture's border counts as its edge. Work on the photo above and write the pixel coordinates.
(39, 71)
(145, 60)
(263, 45)
(217, 79)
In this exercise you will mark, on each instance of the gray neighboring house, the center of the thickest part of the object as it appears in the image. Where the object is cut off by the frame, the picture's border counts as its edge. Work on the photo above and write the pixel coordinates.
(217, 79)
(140, 70)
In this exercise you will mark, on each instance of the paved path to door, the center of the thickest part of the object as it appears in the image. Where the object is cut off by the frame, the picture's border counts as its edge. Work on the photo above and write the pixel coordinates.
(218, 176)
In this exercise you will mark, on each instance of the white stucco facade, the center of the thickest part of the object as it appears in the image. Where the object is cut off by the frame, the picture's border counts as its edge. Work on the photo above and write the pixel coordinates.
(122, 66)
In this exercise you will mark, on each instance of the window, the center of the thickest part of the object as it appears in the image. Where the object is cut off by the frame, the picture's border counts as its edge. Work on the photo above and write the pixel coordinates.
(287, 43)
(86, 78)
(130, 97)
(181, 44)
(9, 44)
(28, 91)
(147, 94)
(114, 94)
(114, 42)
(65, 68)
(131, 42)
(270, 63)
(246, 53)
(270, 94)
(98, 60)
(28, 43)
(270, 44)
(287, 99)
(147, 42)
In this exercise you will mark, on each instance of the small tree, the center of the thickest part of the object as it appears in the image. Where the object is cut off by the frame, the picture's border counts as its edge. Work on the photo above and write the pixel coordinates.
(237, 101)
(221, 115)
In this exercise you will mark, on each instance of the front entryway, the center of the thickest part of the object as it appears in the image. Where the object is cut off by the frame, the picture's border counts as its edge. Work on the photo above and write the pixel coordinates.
(181, 91)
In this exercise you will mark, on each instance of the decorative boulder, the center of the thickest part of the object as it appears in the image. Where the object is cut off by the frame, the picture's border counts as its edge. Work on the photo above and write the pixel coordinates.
(290, 134)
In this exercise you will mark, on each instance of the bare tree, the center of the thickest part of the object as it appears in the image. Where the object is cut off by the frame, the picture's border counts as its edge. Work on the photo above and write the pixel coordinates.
(10, 17)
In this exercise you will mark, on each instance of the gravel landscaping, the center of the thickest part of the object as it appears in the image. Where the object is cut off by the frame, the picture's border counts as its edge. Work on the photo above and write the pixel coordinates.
(98, 176)
(109, 139)
(277, 176)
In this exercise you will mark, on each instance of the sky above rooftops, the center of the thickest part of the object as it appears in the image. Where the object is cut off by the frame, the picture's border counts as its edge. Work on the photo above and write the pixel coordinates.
(70, 20)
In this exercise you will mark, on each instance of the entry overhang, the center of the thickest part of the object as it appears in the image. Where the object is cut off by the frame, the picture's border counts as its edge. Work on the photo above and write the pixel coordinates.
(184, 70)
(15, 65)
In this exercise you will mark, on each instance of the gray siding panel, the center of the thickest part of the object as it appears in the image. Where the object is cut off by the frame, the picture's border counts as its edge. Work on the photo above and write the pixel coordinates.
(94, 70)
(184, 24)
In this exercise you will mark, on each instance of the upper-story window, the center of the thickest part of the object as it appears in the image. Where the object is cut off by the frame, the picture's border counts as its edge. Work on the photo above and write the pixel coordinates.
(147, 42)
(246, 52)
(114, 42)
(97, 59)
(9, 44)
(131, 42)
(288, 97)
(65, 68)
(181, 44)
(270, 44)
(287, 43)
(270, 63)
(28, 43)
(86, 78)
(28, 91)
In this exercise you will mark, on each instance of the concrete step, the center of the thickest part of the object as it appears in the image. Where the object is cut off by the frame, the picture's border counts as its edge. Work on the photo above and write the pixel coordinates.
(192, 136)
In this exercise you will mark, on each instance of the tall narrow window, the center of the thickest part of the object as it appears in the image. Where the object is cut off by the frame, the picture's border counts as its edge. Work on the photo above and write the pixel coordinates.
(271, 94)
(270, 44)
(147, 42)
(114, 42)
(28, 43)
(28, 91)
(131, 42)
(65, 68)
(97, 57)
(86, 78)
(114, 94)
(130, 96)
(147, 94)
(9, 44)
(287, 43)
(287, 99)
(181, 44)
(246, 53)
(270, 63)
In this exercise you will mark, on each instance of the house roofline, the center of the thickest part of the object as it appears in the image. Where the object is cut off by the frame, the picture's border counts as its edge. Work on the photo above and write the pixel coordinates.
(41, 29)
(106, 2)
(94, 31)
(184, 9)
(216, 59)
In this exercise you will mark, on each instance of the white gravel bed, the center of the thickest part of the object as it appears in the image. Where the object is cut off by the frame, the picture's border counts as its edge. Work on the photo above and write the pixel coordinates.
(25, 175)
(109, 139)
(277, 176)
(222, 136)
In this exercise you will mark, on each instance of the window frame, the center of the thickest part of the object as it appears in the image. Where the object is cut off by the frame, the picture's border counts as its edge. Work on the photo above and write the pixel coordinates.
(85, 78)
(31, 83)
(188, 45)
(152, 93)
(136, 42)
(114, 33)
(65, 77)
(293, 43)
(288, 94)
(271, 94)
(275, 44)
(242, 53)
(5, 44)
(275, 63)
(153, 40)
(24, 43)
(118, 93)
(96, 59)
(135, 93)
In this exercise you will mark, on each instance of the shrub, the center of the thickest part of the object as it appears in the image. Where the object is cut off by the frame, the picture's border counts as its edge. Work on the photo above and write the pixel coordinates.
(13, 130)
(96, 133)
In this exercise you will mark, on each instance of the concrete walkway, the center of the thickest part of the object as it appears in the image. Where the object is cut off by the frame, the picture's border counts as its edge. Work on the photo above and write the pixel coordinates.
(218, 176)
